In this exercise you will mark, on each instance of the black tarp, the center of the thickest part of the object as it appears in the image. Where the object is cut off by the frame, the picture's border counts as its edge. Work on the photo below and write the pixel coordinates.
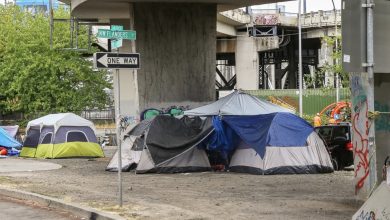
(169, 136)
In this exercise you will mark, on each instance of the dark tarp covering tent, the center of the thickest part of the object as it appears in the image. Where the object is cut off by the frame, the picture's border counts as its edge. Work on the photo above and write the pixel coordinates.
(165, 144)
(172, 145)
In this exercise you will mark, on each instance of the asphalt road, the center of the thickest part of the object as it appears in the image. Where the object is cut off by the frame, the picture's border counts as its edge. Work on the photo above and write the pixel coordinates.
(11, 209)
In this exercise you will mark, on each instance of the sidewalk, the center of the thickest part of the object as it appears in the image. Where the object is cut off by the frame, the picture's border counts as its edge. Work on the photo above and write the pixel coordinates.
(14, 164)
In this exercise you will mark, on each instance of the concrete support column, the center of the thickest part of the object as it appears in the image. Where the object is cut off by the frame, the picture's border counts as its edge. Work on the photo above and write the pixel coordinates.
(325, 57)
(247, 63)
(272, 75)
(177, 43)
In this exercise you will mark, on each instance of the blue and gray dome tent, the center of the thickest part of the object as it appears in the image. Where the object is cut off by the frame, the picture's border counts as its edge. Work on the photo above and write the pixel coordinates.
(264, 138)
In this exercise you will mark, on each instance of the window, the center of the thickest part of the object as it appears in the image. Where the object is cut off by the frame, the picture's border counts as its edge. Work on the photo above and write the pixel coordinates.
(76, 136)
(341, 132)
(47, 138)
(325, 132)
(32, 138)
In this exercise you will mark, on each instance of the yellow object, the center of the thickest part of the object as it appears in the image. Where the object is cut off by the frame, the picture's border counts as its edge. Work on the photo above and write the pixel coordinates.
(317, 121)
(332, 121)
(28, 152)
(69, 149)
(63, 150)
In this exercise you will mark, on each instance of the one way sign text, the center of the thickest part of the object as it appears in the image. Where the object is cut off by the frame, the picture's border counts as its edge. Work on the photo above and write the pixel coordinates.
(117, 60)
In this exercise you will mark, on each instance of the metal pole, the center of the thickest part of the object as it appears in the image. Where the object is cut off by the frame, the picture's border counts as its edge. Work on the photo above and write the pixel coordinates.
(337, 49)
(370, 40)
(300, 60)
(77, 34)
(304, 6)
(71, 31)
(89, 37)
(370, 90)
(51, 23)
(118, 137)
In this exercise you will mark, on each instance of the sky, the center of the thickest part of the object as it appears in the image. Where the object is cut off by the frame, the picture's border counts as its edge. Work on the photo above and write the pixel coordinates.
(311, 5)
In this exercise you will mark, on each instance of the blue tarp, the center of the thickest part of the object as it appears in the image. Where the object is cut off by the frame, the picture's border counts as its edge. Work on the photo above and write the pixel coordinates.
(276, 129)
(223, 138)
(8, 141)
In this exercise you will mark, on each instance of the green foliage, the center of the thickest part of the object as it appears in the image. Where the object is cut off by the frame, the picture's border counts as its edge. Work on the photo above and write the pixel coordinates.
(35, 79)
(319, 80)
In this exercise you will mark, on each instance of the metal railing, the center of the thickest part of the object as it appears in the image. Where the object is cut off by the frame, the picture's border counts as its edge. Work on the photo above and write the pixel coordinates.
(309, 20)
(106, 114)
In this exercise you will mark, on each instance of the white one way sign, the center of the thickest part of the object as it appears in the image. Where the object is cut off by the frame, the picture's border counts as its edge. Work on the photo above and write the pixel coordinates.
(117, 60)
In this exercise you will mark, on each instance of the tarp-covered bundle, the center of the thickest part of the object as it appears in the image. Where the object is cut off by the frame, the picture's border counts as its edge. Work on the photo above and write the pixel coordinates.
(7, 141)
(61, 135)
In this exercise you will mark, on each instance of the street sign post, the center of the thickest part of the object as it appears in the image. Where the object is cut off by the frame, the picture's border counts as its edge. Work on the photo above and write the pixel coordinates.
(124, 34)
(117, 60)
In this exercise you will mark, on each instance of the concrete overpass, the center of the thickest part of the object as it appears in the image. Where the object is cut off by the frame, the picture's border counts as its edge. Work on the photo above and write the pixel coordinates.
(176, 40)
(263, 54)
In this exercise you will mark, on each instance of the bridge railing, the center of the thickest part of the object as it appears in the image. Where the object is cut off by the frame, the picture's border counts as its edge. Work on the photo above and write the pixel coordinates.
(309, 20)
(237, 15)
(321, 19)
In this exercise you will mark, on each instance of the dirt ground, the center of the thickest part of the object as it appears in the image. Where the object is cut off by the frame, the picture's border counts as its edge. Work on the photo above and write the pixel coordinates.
(209, 195)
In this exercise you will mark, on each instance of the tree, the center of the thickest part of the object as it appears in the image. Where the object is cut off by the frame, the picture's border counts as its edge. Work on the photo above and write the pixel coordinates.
(319, 79)
(35, 79)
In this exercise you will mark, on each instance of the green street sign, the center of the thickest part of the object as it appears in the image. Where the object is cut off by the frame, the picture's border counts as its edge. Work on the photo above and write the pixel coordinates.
(116, 43)
(128, 35)
(116, 27)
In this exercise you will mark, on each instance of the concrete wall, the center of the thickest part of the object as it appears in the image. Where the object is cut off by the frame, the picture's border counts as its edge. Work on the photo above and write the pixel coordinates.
(382, 123)
(177, 43)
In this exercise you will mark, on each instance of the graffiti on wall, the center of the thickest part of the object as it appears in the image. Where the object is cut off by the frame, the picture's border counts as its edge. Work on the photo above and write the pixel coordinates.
(363, 144)
(366, 215)
(272, 19)
(125, 121)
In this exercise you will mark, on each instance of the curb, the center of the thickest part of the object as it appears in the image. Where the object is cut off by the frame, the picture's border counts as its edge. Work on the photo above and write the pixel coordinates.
(76, 209)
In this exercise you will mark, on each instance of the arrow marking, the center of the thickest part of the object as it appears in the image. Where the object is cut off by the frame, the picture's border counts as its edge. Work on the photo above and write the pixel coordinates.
(103, 60)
